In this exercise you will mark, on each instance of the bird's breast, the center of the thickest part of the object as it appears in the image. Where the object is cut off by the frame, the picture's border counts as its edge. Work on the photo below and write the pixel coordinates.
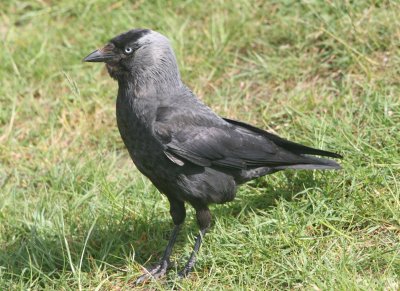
(135, 119)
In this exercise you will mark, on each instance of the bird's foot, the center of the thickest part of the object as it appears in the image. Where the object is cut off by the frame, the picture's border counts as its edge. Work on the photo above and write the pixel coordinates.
(188, 268)
(156, 272)
(184, 273)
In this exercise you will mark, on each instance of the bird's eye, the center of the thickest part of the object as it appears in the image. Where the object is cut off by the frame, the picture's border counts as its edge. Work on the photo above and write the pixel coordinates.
(128, 50)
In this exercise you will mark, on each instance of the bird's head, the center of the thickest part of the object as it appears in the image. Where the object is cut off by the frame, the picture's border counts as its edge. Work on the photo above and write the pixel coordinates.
(141, 55)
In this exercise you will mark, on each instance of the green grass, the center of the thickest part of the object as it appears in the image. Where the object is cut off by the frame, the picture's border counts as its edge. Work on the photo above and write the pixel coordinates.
(76, 214)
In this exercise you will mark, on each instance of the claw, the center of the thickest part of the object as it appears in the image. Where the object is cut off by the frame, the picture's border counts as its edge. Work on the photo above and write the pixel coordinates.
(188, 268)
(183, 274)
(156, 272)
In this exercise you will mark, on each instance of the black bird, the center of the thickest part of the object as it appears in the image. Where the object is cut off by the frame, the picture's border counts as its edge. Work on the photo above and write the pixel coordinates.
(187, 151)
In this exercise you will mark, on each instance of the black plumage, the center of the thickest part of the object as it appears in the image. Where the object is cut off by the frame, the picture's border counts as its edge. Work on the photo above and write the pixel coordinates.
(188, 152)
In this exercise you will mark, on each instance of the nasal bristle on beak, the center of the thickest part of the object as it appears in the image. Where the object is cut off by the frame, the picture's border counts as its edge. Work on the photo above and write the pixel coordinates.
(104, 54)
(109, 47)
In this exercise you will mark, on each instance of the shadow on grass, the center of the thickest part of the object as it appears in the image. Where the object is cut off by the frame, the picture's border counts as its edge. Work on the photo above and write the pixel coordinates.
(292, 185)
(111, 242)
(115, 242)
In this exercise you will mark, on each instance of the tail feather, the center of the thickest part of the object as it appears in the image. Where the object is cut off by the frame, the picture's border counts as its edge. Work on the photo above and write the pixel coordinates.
(293, 147)
(313, 163)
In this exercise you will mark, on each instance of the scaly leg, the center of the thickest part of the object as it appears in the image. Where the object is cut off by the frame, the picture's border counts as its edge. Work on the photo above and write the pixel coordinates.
(204, 220)
(160, 269)
(178, 213)
(192, 259)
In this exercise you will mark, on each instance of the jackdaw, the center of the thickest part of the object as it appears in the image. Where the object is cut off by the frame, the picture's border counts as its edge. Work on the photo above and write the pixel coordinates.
(187, 151)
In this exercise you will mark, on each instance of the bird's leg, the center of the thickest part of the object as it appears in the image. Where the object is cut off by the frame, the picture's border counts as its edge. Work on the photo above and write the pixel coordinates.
(192, 259)
(160, 269)
(204, 220)
(178, 214)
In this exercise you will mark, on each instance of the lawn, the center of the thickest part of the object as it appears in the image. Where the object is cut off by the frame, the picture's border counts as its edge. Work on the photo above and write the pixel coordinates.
(75, 214)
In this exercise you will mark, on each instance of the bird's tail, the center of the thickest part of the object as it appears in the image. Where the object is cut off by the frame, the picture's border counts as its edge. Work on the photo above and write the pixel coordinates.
(307, 160)
(293, 147)
(313, 163)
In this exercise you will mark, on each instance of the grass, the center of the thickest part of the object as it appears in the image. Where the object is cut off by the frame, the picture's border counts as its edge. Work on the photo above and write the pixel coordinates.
(76, 214)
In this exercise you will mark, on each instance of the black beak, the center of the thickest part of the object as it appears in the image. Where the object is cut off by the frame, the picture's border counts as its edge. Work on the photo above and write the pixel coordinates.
(101, 55)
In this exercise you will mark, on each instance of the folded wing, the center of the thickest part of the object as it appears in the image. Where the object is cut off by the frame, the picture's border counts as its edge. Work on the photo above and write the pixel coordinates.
(233, 145)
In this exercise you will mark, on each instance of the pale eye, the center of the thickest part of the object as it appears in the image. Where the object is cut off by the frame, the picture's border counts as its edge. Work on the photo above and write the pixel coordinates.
(128, 50)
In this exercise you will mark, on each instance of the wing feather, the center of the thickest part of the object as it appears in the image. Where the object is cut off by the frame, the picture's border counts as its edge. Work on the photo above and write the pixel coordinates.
(209, 141)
